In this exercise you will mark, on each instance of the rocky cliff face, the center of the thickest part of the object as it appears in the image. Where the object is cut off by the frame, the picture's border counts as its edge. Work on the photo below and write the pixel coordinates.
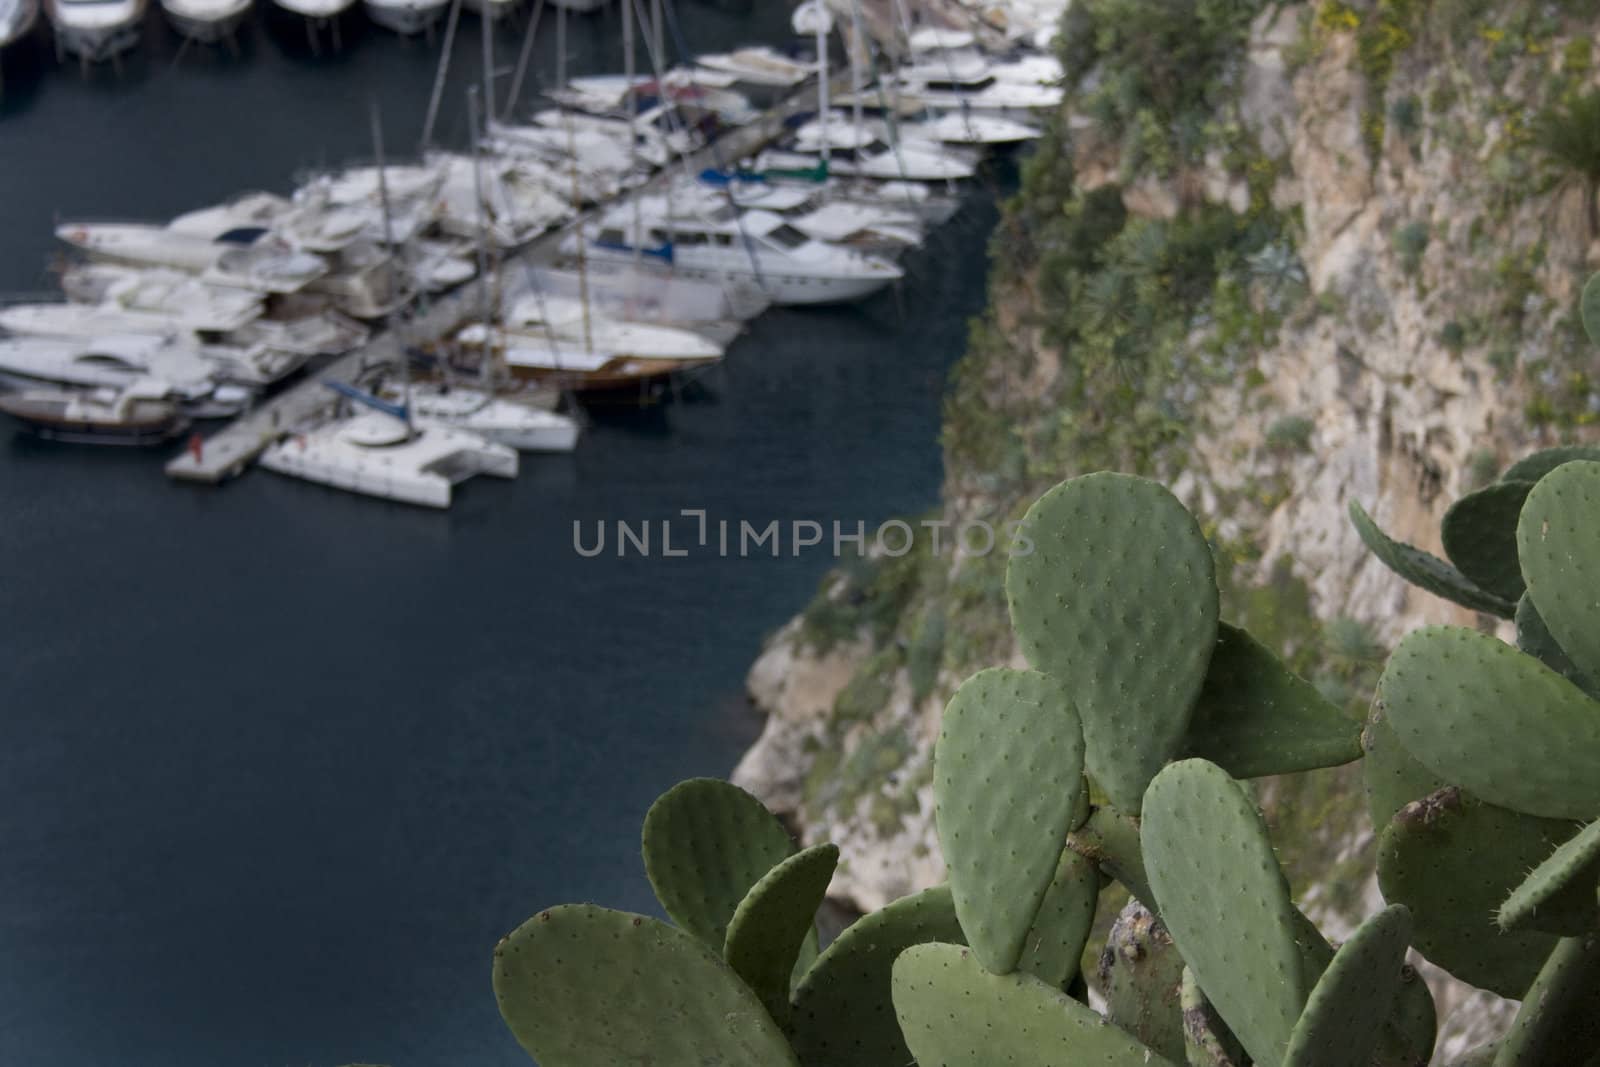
(1350, 275)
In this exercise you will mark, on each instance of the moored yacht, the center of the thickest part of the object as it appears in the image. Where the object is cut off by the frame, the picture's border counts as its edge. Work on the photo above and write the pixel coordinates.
(180, 298)
(788, 266)
(866, 151)
(95, 416)
(248, 259)
(206, 21)
(524, 427)
(813, 211)
(759, 65)
(385, 455)
(159, 367)
(94, 30)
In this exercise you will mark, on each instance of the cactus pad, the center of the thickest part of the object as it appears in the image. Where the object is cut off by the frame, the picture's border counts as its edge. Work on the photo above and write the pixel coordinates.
(773, 922)
(1008, 741)
(1535, 466)
(1497, 722)
(1206, 1041)
(1452, 859)
(582, 986)
(1425, 570)
(1111, 841)
(1480, 536)
(1053, 952)
(842, 1013)
(956, 1014)
(1534, 638)
(1557, 542)
(1558, 1023)
(1225, 901)
(705, 843)
(1140, 974)
(1119, 599)
(1359, 987)
(1255, 716)
(1559, 896)
(1392, 776)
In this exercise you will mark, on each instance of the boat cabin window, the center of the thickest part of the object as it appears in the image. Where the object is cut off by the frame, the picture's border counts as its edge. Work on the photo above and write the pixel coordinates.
(690, 239)
(972, 85)
(787, 237)
(612, 237)
(723, 240)
(105, 359)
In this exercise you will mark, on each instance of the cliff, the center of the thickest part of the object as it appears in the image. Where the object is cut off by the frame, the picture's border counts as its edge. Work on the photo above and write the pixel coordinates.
(1282, 257)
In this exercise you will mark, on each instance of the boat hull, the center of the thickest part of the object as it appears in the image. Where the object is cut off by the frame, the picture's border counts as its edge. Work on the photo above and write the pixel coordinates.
(207, 28)
(407, 19)
(53, 420)
(96, 44)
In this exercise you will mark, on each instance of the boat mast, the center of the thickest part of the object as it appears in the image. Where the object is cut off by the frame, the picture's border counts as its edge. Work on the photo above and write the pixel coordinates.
(630, 108)
(577, 198)
(488, 70)
(485, 296)
(437, 96)
(822, 21)
(507, 112)
(394, 254)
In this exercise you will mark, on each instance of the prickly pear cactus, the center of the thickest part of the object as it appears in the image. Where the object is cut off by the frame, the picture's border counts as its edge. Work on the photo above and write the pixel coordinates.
(1119, 600)
(773, 921)
(1141, 976)
(1342, 1022)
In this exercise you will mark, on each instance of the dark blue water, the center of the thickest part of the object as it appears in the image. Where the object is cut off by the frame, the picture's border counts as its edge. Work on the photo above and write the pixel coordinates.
(279, 765)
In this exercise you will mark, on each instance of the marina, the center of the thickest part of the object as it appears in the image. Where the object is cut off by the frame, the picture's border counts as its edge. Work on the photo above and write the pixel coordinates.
(445, 270)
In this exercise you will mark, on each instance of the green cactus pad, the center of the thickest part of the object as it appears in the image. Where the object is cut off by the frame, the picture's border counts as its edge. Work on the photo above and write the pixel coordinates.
(1452, 859)
(1140, 974)
(1480, 537)
(1110, 840)
(1425, 570)
(1256, 717)
(1359, 987)
(1206, 1041)
(1534, 638)
(705, 843)
(1589, 308)
(583, 986)
(1559, 896)
(1535, 466)
(1119, 599)
(773, 922)
(1225, 901)
(1008, 741)
(842, 1012)
(1053, 952)
(1559, 1020)
(954, 1013)
(1392, 776)
(1560, 554)
(1497, 722)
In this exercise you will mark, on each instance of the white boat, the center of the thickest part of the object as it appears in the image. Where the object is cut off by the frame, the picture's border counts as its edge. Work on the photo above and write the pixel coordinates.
(377, 454)
(565, 319)
(814, 212)
(155, 366)
(758, 246)
(95, 416)
(17, 19)
(519, 201)
(316, 11)
(206, 21)
(868, 150)
(524, 427)
(971, 130)
(968, 83)
(244, 364)
(94, 30)
(759, 65)
(249, 260)
(181, 299)
(408, 17)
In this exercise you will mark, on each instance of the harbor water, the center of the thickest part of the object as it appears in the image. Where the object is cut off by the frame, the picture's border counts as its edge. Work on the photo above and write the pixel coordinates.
(278, 765)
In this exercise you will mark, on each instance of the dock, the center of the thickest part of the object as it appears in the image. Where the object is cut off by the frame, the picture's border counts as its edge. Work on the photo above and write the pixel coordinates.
(229, 451)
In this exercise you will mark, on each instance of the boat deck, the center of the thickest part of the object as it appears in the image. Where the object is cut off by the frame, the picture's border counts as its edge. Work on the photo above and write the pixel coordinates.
(230, 450)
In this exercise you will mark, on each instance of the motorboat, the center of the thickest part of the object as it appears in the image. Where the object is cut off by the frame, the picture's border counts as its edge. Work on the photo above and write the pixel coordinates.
(971, 130)
(519, 201)
(316, 12)
(759, 246)
(868, 150)
(378, 454)
(157, 366)
(180, 299)
(592, 164)
(759, 65)
(206, 21)
(969, 83)
(407, 17)
(573, 320)
(95, 30)
(247, 258)
(96, 416)
(535, 355)
(524, 427)
(811, 210)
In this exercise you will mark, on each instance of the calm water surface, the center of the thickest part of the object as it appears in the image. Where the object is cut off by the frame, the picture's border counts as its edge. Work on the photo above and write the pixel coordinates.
(279, 765)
